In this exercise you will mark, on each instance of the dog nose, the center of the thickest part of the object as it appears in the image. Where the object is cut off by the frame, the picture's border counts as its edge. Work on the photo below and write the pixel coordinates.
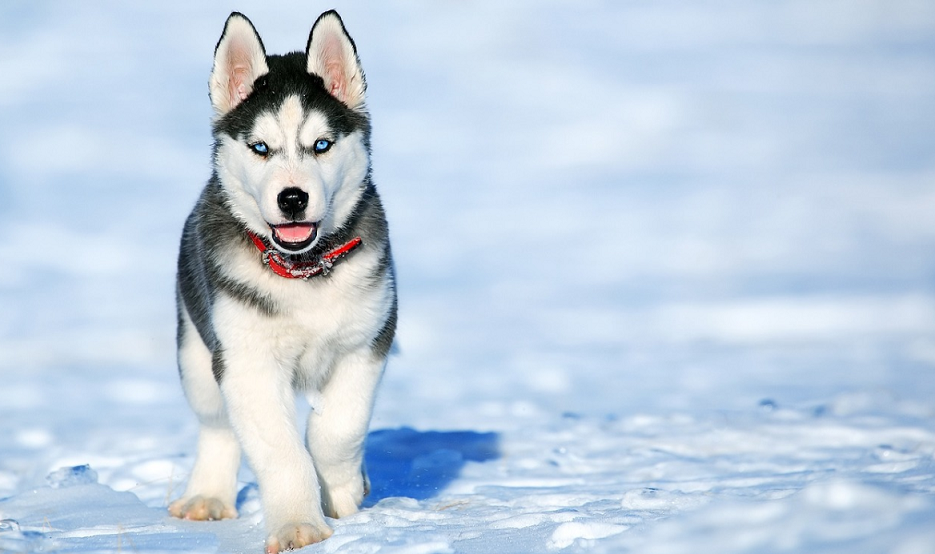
(292, 201)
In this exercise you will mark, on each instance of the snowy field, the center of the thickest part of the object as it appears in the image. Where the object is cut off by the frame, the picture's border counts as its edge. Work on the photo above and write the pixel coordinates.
(667, 274)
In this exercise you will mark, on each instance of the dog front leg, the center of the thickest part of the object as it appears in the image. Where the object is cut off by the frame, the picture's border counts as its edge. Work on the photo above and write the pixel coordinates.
(261, 406)
(337, 429)
(212, 486)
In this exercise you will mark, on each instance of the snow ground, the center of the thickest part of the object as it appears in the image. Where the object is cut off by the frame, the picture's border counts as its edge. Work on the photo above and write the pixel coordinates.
(666, 274)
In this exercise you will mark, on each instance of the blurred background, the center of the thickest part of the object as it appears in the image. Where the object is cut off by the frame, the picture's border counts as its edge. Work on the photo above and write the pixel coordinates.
(595, 207)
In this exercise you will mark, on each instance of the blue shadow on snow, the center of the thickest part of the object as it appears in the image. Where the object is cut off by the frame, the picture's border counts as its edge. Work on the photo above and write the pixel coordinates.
(419, 464)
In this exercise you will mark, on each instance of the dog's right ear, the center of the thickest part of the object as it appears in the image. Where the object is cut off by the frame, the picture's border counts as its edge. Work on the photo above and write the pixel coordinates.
(239, 59)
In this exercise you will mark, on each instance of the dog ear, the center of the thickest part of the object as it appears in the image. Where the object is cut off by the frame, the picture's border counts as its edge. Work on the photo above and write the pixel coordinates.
(239, 59)
(331, 55)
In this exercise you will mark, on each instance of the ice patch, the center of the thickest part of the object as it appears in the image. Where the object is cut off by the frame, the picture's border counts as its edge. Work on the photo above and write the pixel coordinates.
(72, 476)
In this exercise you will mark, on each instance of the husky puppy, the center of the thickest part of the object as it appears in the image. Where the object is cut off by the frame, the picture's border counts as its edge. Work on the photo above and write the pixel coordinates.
(285, 285)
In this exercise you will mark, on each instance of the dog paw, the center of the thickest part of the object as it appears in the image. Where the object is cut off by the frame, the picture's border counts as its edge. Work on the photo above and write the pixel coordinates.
(296, 535)
(201, 508)
(342, 503)
(343, 500)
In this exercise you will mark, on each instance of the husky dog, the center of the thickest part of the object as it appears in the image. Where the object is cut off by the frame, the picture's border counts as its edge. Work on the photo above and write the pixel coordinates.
(285, 285)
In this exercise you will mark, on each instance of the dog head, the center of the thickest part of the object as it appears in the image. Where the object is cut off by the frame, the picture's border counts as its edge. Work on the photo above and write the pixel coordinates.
(291, 132)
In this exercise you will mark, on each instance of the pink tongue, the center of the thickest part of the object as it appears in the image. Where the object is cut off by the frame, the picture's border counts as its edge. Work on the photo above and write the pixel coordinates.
(294, 233)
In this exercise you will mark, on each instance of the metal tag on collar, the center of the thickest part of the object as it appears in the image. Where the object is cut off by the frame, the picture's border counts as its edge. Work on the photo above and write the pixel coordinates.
(325, 266)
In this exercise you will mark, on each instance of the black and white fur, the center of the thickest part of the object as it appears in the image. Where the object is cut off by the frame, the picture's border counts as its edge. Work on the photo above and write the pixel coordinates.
(294, 127)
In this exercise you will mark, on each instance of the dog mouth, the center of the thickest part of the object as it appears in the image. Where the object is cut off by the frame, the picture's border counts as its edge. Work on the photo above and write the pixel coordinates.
(294, 236)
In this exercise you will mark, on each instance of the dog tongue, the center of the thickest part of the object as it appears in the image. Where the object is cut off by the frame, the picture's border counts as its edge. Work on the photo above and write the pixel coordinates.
(294, 232)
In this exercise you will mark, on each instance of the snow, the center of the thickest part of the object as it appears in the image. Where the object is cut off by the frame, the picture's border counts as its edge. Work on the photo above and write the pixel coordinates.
(666, 275)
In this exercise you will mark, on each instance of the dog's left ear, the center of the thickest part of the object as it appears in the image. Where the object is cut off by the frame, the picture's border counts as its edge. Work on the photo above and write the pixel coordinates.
(331, 55)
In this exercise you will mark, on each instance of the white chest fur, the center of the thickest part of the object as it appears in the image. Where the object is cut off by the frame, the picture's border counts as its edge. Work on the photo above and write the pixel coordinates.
(315, 321)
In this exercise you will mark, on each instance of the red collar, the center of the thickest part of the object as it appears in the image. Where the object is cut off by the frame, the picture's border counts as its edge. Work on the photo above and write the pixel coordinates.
(302, 270)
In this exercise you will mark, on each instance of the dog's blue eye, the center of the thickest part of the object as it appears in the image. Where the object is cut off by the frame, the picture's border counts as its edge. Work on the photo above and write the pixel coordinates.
(260, 148)
(322, 146)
